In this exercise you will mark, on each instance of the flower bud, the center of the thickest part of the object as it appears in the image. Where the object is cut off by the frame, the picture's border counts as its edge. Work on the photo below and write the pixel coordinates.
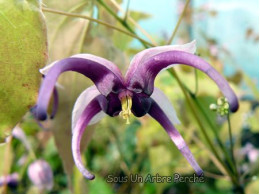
(221, 101)
(41, 175)
(213, 107)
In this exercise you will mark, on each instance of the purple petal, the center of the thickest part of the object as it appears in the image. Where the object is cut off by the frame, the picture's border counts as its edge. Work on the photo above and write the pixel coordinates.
(141, 57)
(103, 77)
(151, 67)
(157, 113)
(82, 102)
(55, 102)
(19, 134)
(89, 112)
(164, 103)
(105, 62)
(40, 174)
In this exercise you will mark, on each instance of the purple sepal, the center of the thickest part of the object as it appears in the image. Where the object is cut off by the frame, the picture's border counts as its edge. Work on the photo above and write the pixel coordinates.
(55, 102)
(104, 78)
(152, 66)
(157, 113)
(93, 108)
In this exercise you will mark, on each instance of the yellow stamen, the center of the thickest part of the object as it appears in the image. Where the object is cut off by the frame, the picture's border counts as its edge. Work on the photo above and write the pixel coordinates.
(126, 108)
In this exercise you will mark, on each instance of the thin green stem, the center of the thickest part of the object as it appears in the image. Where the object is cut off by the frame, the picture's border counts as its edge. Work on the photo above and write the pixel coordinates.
(127, 9)
(97, 21)
(178, 23)
(231, 140)
(121, 21)
(196, 82)
(130, 19)
(118, 145)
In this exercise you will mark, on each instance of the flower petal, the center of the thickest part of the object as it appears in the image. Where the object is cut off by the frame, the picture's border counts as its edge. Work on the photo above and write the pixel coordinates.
(157, 113)
(46, 69)
(40, 174)
(103, 77)
(94, 58)
(105, 62)
(144, 78)
(146, 54)
(164, 103)
(82, 102)
(89, 112)
(55, 102)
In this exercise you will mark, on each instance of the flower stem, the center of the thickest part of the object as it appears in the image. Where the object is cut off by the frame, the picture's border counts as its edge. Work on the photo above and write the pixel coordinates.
(130, 19)
(120, 20)
(127, 9)
(178, 23)
(97, 21)
(126, 164)
(231, 142)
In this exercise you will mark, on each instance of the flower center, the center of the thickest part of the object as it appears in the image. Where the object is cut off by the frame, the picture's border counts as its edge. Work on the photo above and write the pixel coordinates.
(126, 102)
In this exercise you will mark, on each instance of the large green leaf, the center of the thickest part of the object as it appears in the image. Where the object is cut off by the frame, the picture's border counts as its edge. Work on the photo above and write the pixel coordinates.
(23, 51)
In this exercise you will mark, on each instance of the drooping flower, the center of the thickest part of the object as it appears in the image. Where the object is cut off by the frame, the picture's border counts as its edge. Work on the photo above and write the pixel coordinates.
(41, 175)
(135, 94)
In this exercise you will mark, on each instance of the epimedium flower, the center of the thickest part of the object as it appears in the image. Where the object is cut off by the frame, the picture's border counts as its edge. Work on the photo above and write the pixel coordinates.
(135, 94)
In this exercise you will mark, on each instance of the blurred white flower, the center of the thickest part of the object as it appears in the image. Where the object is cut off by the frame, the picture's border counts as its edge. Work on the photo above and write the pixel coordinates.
(41, 175)
(251, 152)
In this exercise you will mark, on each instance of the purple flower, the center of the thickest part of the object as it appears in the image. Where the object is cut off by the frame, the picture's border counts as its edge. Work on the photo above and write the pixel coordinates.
(41, 175)
(135, 94)
(10, 180)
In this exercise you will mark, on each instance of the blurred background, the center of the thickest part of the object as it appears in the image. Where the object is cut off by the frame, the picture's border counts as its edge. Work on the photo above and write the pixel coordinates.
(227, 35)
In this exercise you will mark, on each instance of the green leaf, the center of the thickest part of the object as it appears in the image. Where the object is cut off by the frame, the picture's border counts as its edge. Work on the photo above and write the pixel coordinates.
(23, 51)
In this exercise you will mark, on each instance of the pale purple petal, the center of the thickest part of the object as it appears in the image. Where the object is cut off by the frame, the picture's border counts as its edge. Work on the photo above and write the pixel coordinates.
(46, 69)
(157, 113)
(89, 112)
(164, 103)
(41, 175)
(144, 78)
(55, 102)
(141, 57)
(19, 134)
(82, 102)
(105, 80)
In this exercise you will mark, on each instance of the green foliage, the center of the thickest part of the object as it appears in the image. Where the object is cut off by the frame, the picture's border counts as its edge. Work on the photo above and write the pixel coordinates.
(23, 51)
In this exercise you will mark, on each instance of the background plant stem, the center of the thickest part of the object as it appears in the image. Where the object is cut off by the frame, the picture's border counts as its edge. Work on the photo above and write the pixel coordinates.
(97, 21)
